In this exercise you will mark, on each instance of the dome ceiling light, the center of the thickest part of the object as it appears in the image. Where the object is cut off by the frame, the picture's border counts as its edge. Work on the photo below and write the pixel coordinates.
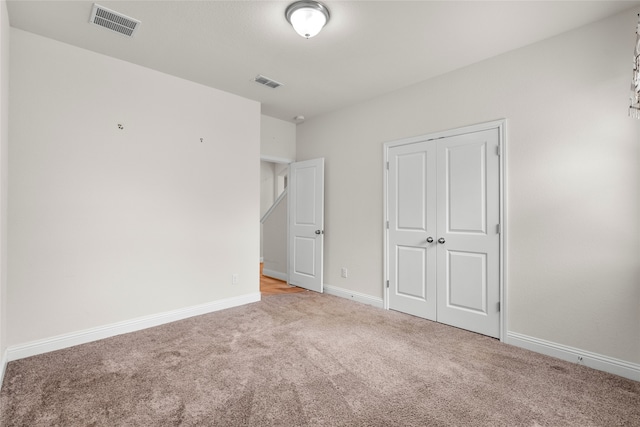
(307, 17)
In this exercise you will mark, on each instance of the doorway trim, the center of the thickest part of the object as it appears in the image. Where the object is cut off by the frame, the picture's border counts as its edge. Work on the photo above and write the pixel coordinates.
(274, 159)
(501, 126)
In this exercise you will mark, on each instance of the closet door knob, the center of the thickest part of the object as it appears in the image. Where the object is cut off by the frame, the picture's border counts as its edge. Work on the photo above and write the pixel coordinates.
(429, 239)
(441, 240)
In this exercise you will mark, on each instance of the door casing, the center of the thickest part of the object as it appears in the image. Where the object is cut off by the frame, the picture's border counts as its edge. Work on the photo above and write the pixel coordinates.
(500, 125)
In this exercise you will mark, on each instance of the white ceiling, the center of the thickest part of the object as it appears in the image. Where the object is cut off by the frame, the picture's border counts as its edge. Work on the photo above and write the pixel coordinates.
(367, 49)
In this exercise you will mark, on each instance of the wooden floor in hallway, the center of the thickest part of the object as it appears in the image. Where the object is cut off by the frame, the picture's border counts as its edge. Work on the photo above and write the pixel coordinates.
(271, 286)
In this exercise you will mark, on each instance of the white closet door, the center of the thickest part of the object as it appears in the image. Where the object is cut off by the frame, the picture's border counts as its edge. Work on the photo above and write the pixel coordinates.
(468, 240)
(412, 220)
(443, 239)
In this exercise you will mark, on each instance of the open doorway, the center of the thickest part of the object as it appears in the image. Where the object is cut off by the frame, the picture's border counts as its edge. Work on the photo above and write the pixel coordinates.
(273, 226)
(292, 229)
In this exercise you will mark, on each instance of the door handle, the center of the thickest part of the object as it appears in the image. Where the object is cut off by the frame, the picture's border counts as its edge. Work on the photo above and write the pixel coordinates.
(429, 239)
(441, 240)
(318, 232)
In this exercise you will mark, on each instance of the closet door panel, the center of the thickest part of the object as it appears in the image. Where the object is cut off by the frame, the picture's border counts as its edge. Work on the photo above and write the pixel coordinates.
(468, 289)
(412, 219)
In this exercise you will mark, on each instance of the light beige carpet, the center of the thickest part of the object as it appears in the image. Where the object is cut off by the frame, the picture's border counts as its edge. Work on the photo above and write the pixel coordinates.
(309, 360)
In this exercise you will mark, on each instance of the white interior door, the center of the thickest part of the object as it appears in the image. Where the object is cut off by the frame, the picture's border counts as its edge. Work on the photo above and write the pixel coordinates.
(468, 236)
(412, 228)
(443, 237)
(306, 223)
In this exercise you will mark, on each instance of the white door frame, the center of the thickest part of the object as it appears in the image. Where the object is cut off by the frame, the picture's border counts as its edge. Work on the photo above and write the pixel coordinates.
(496, 124)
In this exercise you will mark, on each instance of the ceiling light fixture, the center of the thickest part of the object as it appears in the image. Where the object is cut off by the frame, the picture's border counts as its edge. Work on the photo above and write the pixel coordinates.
(307, 17)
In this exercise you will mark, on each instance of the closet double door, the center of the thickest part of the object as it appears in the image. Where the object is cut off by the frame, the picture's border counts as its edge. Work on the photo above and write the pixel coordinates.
(443, 233)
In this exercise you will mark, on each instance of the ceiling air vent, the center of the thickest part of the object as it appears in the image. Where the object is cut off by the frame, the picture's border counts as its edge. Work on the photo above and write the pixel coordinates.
(267, 81)
(113, 20)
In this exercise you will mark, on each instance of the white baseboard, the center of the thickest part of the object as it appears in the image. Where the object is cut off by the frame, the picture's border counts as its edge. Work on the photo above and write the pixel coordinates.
(356, 296)
(261, 259)
(3, 365)
(593, 360)
(275, 274)
(46, 345)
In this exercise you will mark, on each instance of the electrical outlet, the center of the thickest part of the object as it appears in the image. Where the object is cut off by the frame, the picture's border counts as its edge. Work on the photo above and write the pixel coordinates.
(234, 279)
(344, 273)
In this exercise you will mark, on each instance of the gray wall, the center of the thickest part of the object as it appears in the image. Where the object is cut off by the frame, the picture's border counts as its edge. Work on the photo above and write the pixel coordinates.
(275, 242)
(4, 143)
(107, 225)
(277, 139)
(573, 195)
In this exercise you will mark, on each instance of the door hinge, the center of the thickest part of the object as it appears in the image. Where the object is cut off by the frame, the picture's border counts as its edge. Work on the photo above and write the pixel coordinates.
(499, 228)
(387, 225)
(498, 305)
(387, 284)
(387, 165)
(499, 150)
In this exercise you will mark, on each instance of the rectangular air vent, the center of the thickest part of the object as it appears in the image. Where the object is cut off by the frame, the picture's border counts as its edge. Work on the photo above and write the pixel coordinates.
(113, 20)
(267, 81)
